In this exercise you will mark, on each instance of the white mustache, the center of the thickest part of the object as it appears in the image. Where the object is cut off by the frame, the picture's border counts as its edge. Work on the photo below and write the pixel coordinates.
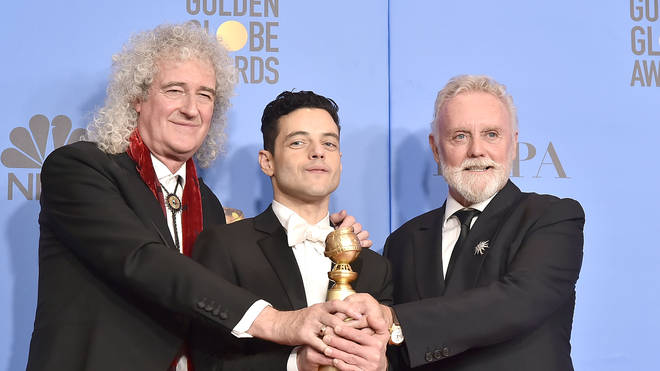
(479, 163)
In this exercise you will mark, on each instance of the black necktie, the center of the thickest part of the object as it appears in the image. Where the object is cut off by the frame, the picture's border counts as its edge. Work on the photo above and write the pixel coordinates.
(465, 216)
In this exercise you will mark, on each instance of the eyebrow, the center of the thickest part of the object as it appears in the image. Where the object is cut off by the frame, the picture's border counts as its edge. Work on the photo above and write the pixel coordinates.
(306, 133)
(183, 84)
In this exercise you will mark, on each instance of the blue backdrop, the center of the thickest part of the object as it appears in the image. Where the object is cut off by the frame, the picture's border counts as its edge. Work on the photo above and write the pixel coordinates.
(584, 75)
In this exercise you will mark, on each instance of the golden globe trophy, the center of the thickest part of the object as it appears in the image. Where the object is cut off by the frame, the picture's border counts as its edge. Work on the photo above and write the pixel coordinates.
(342, 247)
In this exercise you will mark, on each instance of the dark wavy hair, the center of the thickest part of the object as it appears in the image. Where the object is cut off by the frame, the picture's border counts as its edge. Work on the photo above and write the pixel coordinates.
(287, 102)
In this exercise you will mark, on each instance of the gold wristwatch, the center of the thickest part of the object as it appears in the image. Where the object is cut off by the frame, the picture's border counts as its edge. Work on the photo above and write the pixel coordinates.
(396, 334)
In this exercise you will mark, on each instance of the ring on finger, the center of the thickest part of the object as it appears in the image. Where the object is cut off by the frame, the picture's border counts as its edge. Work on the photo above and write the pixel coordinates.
(322, 331)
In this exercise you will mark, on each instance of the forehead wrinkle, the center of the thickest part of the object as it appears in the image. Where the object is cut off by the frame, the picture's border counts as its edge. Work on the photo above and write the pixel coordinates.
(297, 132)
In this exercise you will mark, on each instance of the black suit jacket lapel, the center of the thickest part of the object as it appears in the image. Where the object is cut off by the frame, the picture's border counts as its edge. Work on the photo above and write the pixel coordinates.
(280, 256)
(468, 264)
(145, 205)
(427, 244)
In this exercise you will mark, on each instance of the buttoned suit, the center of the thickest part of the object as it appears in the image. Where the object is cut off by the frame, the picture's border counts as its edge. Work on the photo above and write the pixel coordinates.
(510, 308)
(114, 292)
(254, 254)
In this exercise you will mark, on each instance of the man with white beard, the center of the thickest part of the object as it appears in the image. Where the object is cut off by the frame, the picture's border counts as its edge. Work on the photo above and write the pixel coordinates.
(487, 281)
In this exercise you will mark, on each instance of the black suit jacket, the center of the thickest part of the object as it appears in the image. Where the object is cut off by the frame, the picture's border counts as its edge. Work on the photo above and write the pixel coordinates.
(114, 292)
(508, 309)
(254, 254)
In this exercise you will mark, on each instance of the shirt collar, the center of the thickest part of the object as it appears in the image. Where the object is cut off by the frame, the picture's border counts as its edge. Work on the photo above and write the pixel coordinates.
(453, 206)
(163, 173)
(284, 215)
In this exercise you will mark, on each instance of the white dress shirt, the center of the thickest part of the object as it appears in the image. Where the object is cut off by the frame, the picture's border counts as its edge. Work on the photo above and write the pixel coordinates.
(308, 244)
(168, 183)
(451, 227)
(313, 266)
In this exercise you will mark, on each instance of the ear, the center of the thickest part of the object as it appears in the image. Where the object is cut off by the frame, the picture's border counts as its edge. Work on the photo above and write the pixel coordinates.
(137, 105)
(434, 148)
(266, 162)
(515, 146)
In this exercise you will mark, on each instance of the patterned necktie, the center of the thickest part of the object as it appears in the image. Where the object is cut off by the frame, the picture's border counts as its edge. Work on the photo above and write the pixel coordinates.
(465, 217)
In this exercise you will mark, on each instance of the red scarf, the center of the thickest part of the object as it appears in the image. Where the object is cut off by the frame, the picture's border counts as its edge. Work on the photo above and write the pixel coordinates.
(191, 214)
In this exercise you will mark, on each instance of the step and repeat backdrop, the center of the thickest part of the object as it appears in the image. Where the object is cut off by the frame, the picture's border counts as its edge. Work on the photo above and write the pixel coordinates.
(584, 75)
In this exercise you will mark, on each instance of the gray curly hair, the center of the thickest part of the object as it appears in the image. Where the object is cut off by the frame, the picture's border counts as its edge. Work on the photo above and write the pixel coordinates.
(474, 83)
(134, 69)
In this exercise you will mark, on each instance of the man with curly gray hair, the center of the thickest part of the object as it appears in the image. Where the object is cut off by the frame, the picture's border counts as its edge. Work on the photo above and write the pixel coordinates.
(120, 215)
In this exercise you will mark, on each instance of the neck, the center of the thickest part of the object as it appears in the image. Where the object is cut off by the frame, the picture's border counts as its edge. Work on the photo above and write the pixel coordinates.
(312, 211)
(172, 164)
(460, 199)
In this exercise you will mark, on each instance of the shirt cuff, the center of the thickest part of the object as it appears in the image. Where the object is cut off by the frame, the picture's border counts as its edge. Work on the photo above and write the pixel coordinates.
(292, 362)
(241, 328)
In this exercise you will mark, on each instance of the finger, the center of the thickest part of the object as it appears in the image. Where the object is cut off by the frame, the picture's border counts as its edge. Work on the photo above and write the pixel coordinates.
(356, 323)
(315, 343)
(377, 323)
(348, 221)
(357, 228)
(367, 305)
(368, 351)
(342, 316)
(310, 355)
(343, 366)
(350, 359)
(350, 335)
(337, 218)
(362, 235)
(368, 330)
(353, 310)
(366, 244)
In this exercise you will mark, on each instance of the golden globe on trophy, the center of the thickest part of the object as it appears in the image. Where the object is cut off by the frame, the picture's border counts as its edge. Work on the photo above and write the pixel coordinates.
(342, 247)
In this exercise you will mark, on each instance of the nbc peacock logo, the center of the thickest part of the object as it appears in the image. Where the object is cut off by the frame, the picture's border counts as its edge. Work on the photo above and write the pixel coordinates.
(31, 148)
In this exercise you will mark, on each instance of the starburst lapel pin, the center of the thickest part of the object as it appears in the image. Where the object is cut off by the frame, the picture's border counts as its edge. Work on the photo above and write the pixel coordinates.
(481, 247)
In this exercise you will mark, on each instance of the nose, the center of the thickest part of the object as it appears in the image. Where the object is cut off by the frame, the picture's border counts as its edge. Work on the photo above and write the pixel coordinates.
(189, 105)
(316, 150)
(476, 147)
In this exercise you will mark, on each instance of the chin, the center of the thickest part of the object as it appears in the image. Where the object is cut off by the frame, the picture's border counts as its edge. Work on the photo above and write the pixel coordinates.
(478, 187)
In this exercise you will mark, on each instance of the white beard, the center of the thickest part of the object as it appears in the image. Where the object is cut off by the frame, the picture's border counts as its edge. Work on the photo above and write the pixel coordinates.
(474, 186)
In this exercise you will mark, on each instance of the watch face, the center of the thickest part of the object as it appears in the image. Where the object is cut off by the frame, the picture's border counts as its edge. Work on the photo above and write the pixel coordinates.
(396, 337)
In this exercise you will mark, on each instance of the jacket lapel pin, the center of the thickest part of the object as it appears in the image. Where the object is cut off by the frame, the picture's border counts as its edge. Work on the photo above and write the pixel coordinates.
(481, 247)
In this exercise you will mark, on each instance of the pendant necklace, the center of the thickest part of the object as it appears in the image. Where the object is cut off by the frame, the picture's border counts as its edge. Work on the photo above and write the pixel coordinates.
(174, 205)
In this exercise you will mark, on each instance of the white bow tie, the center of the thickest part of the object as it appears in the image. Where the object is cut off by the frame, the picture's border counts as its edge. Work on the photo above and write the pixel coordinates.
(299, 231)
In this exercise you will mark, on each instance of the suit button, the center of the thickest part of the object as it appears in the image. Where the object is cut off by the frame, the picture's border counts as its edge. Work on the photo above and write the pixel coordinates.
(209, 306)
(445, 351)
(428, 357)
(216, 311)
(224, 315)
(437, 354)
(201, 304)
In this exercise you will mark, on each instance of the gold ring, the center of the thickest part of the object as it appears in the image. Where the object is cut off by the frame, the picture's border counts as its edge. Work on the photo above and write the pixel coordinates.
(323, 328)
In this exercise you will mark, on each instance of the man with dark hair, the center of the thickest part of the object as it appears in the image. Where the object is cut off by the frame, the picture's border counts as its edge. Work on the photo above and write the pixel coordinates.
(278, 255)
(287, 102)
